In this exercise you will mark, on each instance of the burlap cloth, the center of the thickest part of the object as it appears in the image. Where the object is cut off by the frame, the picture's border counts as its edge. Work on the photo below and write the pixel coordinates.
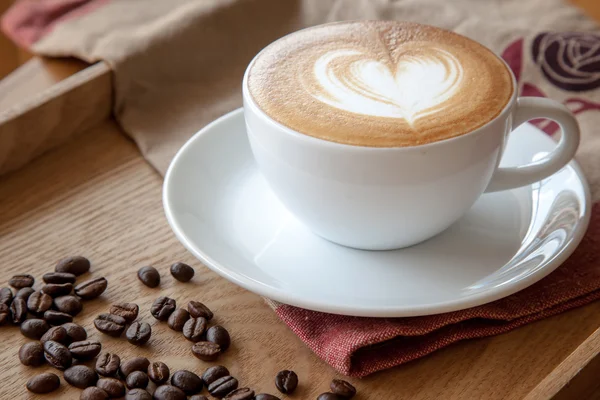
(179, 63)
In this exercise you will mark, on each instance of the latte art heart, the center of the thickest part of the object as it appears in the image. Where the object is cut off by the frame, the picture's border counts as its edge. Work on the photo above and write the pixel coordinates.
(418, 84)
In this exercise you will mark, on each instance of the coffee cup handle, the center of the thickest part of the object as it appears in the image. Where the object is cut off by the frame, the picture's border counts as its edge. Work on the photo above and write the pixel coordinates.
(538, 107)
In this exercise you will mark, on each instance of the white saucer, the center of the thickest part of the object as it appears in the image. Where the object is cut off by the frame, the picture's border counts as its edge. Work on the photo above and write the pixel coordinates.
(222, 210)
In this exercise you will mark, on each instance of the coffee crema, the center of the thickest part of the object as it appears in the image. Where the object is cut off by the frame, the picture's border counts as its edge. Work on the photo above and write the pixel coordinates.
(379, 83)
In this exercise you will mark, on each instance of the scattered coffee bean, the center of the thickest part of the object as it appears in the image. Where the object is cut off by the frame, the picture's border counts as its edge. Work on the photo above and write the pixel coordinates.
(21, 281)
(286, 381)
(134, 364)
(43, 383)
(137, 379)
(34, 328)
(206, 351)
(265, 396)
(112, 386)
(129, 311)
(219, 335)
(110, 324)
(214, 373)
(162, 308)
(198, 310)
(198, 397)
(149, 276)
(38, 303)
(223, 386)
(182, 272)
(18, 310)
(73, 265)
(56, 334)
(93, 393)
(187, 381)
(92, 288)
(329, 396)
(138, 394)
(85, 350)
(68, 304)
(138, 333)
(6, 296)
(31, 354)
(167, 392)
(240, 394)
(57, 317)
(80, 376)
(108, 364)
(57, 289)
(59, 277)
(76, 333)
(177, 319)
(158, 372)
(24, 293)
(5, 314)
(57, 355)
(194, 329)
(342, 388)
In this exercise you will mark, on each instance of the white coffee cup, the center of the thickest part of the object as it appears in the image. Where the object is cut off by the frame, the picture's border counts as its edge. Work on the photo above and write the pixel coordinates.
(387, 198)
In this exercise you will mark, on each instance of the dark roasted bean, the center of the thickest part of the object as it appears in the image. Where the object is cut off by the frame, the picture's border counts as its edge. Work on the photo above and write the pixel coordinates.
(342, 388)
(112, 386)
(138, 394)
(187, 381)
(85, 350)
(138, 333)
(57, 289)
(57, 355)
(59, 277)
(206, 351)
(162, 308)
(134, 364)
(329, 396)
(56, 334)
(194, 329)
(198, 310)
(182, 272)
(21, 281)
(43, 383)
(137, 379)
(214, 373)
(219, 335)
(73, 265)
(18, 310)
(223, 386)
(68, 304)
(57, 317)
(149, 276)
(6, 296)
(38, 303)
(31, 354)
(93, 393)
(5, 314)
(34, 328)
(240, 394)
(80, 376)
(177, 319)
(265, 396)
(108, 364)
(158, 372)
(129, 311)
(76, 333)
(286, 381)
(198, 397)
(110, 324)
(24, 293)
(167, 392)
(92, 288)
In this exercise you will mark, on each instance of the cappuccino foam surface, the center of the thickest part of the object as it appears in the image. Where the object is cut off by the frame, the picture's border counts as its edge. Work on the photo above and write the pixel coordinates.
(379, 83)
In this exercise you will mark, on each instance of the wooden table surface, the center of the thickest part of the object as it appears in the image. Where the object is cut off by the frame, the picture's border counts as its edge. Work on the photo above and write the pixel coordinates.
(96, 196)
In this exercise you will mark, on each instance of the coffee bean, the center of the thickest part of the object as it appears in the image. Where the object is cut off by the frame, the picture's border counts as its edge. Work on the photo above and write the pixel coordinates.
(57, 355)
(110, 324)
(5, 314)
(223, 386)
(182, 272)
(38, 303)
(198, 397)
(59, 277)
(162, 308)
(177, 319)
(93, 393)
(198, 310)
(206, 351)
(80, 376)
(6, 296)
(24, 293)
(112, 386)
(56, 334)
(43, 383)
(21, 281)
(166, 392)
(57, 289)
(342, 388)
(68, 304)
(34, 328)
(241, 394)
(158, 372)
(265, 396)
(134, 364)
(129, 311)
(219, 335)
(18, 310)
(214, 373)
(57, 317)
(73, 265)
(137, 379)
(108, 364)
(85, 350)
(91, 289)
(194, 329)
(31, 354)
(286, 381)
(187, 381)
(138, 333)
(76, 333)
(329, 396)
(138, 394)
(149, 276)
